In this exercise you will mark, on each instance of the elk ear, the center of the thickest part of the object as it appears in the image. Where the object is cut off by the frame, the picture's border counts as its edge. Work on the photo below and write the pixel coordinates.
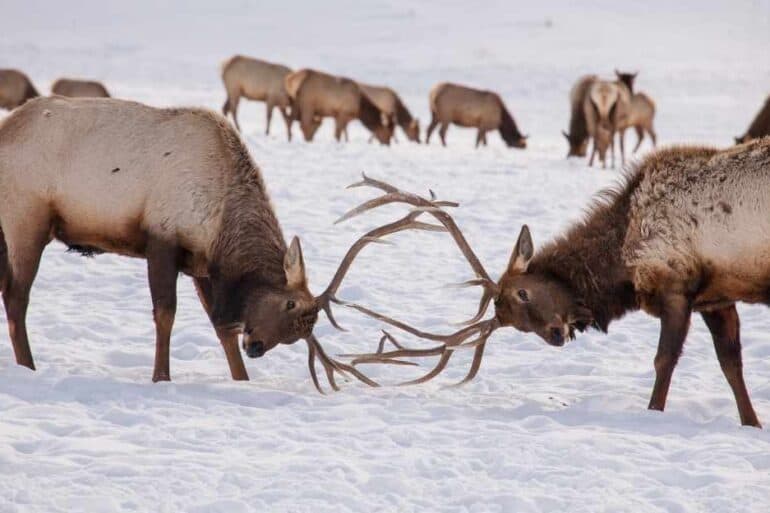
(294, 265)
(522, 252)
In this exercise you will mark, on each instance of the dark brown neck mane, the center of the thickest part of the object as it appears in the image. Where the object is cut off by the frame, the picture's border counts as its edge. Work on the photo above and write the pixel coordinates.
(403, 116)
(508, 129)
(587, 259)
(369, 114)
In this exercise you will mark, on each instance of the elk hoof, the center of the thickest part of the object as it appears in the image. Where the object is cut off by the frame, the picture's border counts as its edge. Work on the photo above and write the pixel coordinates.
(160, 376)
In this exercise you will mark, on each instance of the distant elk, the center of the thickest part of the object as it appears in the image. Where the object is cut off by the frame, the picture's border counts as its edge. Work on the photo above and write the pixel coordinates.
(578, 135)
(606, 109)
(79, 88)
(641, 111)
(686, 232)
(316, 95)
(391, 104)
(760, 127)
(15, 89)
(176, 187)
(468, 107)
(258, 80)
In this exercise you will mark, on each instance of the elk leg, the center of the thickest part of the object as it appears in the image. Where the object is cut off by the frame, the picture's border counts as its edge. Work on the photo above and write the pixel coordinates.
(612, 153)
(639, 137)
(269, 107)
(593, 154)
(162, 271)
(431, 128)
(226, 107)
(234, 100)
(653, 136)
(674, 324)
(479, 137)
(725, 330)
(287, 119)
(622, 137)
(228, 340)
(442, 133)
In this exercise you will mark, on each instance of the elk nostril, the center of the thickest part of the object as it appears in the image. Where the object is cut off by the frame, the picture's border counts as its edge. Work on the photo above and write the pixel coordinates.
(557, 337)
(255, 349)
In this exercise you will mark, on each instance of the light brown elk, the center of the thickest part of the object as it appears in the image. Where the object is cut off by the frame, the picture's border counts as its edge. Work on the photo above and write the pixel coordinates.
(760, 126)
(578, 135)
(176, 187)
(391, 104)
(641, 111)
(254, 79)
(468, 107)
(686, 232)
(606, 109)
(79, 88)
(316, 95)
(15, 89)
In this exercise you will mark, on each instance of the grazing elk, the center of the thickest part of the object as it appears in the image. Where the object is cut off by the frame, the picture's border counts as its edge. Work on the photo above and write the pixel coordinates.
(578, 135)
(641, 111)
(79, 88)
(467, 107)
(606, 109)
(686, 232)
(257, 80)
(316, 95)
(760, 127)
(176, 187)
(15, 89)
(391, 104)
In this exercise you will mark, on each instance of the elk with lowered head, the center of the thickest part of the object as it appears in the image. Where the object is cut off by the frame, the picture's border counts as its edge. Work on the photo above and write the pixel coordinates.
(316, 95)
(15, 89)
(760, 127)
(468, 107)
(185, 195)
(257, 80)
(685, 233)
(578, 135)
(76, 88)
(391, 104)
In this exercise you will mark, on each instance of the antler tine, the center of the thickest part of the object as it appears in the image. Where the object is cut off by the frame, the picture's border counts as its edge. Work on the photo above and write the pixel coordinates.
(316, 352)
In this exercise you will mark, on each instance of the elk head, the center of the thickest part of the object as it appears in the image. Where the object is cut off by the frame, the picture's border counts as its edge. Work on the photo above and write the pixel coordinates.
(578, 146)
(627, 78)
(383, 130)
(413, 130)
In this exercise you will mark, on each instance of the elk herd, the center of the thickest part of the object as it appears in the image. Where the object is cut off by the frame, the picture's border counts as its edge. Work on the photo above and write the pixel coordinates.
(685, 233)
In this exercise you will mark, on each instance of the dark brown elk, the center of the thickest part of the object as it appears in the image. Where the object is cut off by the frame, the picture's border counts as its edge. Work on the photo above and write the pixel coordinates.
(578, 135)
(185, 195)
(391, 104)
(15, 89)
(685, 233)
(468, 107)
(254, 79)
(760, 127)
(316, 95)
(75, 88)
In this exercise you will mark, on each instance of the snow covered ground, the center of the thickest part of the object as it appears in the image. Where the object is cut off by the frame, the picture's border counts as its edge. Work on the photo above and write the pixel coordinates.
(540, 429)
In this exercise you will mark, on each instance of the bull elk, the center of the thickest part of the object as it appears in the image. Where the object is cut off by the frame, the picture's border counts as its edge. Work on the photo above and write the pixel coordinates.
(257, 80)
(75, 88)
(316, 95)
(391, 104)
(176, 187)
(685, 233)
(760, 126)
(578, 135)
(468, 107)
(15, 89)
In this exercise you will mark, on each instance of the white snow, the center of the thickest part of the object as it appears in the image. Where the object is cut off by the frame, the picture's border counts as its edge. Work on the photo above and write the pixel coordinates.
(540, 429)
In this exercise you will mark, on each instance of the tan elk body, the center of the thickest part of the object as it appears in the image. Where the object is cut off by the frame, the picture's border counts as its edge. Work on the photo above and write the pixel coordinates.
(15, 89)
(316, 95)
(79, 88)
(391, 104)
(606, 109)
(641, 111)
(255, 79)
(474, 108)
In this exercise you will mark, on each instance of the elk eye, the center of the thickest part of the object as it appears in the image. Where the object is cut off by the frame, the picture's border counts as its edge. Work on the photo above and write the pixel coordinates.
(523, 295)
(290, 305)
(498, 301)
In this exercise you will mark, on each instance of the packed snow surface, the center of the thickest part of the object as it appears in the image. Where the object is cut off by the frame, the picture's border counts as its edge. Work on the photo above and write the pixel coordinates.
(540, 429)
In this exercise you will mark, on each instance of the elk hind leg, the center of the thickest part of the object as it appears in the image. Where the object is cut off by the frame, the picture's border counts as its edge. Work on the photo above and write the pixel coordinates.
(431, 127)
(229, 340)
(287, 119)
(162, 271)
(442, 133)
(674, 325)
(639, 137)
(724, 326)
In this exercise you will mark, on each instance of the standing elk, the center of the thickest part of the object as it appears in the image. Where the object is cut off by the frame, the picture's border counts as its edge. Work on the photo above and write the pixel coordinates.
(760, 127)
(606, 109)
(176, 187)
(578, 135)
(391, 104)
(79, 88)
(686, 232)
(15, 89)
(467, 107)
(316, 95)
(641, 111)
(258, 80)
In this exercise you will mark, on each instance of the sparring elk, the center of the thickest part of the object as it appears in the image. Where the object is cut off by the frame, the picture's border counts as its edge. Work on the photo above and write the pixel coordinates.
(391, 104)
(176, 187)
(578, 135)
(15, 89)
(316, 95)
(468, 107)
(76, 88)
(686, 233)
(760, 126)
(254, 79)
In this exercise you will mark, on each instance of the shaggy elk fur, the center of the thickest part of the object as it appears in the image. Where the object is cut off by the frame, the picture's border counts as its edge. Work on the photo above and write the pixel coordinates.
(79, 88)
(257, 80)
(15, 89)
(176, 187)
(316, 95)
(760, 127)
(391, 104)
(578, 135)
(467, 107)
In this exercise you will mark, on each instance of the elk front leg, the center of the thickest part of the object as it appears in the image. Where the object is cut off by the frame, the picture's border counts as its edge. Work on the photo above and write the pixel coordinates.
(674, 324)
(162, 271)
(431, 127)
(622, 137)
(725, 330)
(442, 133)
(228, 340)
(269, 107)
(287, 119)
(479, 137)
